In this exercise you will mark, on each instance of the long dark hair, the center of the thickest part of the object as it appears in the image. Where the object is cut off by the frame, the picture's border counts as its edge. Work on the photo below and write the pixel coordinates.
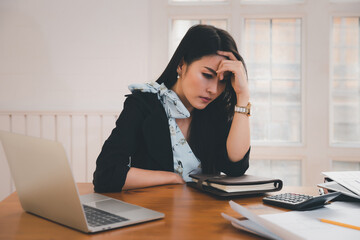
(199, 41)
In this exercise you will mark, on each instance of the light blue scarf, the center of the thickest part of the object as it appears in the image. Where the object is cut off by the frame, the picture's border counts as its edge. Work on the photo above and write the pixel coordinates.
(185, 161)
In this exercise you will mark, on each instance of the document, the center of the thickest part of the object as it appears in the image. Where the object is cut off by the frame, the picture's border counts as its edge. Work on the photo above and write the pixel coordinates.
(308, 224)
(348, 179)
(334, 186)
(301, 224)
(258, 225)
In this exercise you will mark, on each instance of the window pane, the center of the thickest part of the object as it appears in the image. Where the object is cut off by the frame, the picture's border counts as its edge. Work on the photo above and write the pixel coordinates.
(289, 171)
(196, 1)
(345, 166)
(345, 81)
(344, 1)
(273, 58)
(222, 24)
(180, 27)
(271, 1)
(191, 1)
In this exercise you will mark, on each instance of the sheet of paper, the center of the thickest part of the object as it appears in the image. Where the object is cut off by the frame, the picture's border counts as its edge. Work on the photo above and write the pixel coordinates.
(308, 225)
(275, 229)
(250, 226)
(334, 186)
(348, 179)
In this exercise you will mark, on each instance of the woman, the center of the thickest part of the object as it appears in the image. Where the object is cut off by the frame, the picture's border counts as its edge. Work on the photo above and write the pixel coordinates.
(184, 122)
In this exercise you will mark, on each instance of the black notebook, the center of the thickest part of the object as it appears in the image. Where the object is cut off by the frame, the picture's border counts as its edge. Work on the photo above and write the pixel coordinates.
(222, 185)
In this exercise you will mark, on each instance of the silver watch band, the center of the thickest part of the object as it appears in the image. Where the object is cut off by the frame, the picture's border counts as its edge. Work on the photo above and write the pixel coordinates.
(243, 110)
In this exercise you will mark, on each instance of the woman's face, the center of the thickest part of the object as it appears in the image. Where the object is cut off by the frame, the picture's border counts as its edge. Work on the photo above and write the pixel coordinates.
(198, 83)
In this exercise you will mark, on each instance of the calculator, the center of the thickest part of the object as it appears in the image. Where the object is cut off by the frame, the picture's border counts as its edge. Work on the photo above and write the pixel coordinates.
(295, 201)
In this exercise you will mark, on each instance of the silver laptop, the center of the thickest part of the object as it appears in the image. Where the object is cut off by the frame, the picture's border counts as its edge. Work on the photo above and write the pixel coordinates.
(46, 187)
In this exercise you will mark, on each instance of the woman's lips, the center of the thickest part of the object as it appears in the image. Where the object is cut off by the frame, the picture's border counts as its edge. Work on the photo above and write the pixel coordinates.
(205, 99)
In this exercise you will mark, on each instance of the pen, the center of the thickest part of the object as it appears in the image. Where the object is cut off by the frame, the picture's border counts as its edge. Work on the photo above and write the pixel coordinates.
(340, 224)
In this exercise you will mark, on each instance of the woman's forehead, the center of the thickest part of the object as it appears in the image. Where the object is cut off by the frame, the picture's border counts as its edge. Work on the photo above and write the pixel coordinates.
(211, 61)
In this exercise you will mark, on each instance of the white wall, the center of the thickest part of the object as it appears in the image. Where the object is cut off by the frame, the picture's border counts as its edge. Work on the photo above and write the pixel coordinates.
(71, 54)
(64, 58)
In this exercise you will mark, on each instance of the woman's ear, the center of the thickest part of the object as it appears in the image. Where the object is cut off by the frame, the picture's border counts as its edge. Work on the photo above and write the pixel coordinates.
(179, 69)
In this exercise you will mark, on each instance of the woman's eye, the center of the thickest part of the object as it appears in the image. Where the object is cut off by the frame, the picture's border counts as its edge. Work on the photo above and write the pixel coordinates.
(207, 75)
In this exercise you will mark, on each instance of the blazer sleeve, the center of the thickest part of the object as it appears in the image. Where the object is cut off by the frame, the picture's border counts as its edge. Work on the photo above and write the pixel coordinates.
(235, 169)
(112, 165)
(224, 164)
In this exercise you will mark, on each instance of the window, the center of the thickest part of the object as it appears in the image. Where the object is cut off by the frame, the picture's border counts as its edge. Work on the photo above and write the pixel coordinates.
(345, 166)
(180, 26)
(287, 170)
(345, 104)
(342, 1)
(273, 58)
(197, 1)
(271, 1)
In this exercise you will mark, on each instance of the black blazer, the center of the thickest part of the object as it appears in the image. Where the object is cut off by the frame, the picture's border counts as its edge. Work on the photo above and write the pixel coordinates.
(142, 136)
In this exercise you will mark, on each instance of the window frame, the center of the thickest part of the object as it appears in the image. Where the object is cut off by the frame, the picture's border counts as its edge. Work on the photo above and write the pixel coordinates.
(331, 65)
(241, 46)
(337, 150)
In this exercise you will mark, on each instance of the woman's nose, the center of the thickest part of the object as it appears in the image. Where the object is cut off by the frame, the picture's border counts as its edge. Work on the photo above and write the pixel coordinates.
(213, 86)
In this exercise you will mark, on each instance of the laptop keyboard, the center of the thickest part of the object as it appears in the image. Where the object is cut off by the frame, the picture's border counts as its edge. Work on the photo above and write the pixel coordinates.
(96, 217)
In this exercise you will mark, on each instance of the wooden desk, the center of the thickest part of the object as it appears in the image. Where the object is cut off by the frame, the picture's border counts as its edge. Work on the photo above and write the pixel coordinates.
(189, 214)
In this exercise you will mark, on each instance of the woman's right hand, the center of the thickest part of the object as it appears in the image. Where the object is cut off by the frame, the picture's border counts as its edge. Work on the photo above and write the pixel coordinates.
(140, 178)
(178, 179)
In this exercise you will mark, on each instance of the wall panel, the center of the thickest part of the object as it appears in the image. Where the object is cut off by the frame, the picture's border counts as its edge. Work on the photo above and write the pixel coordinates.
(5, 176)
(81, 134)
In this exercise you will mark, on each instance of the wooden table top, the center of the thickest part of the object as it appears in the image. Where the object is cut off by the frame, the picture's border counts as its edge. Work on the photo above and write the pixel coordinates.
(189, 214)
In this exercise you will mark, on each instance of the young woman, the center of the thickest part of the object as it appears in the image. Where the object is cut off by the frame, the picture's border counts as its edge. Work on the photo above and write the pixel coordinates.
(194, 118)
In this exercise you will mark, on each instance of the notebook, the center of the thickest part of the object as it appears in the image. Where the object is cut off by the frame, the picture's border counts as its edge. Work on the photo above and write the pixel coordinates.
(225, 186)
(46, 187)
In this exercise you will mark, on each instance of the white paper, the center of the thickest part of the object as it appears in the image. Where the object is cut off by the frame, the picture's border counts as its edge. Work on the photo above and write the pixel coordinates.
(334, 186)
(348, 179)
(250, 226)
(277, 231)
(308, 225)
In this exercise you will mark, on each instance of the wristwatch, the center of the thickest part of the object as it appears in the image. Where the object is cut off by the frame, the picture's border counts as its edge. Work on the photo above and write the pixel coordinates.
(243, 110)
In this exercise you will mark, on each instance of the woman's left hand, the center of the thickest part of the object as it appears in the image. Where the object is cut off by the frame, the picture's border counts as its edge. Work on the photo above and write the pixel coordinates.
(239, 77)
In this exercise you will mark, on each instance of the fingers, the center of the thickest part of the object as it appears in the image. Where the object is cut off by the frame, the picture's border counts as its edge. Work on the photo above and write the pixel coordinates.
(224, 67)
(230, 55)
(237, 70)
(234, 67)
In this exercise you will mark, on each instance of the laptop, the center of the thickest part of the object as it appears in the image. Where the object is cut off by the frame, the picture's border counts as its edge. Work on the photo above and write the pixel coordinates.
(46, 187)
